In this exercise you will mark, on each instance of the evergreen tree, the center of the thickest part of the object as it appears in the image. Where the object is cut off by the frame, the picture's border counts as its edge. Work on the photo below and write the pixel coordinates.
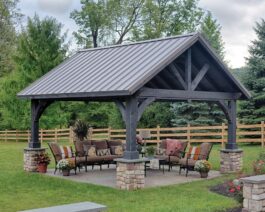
(40, 48)
(253, 110)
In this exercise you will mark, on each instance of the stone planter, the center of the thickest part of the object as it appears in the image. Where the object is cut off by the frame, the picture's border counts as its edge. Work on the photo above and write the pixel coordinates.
(42, 167)
(66, 172)
(204, 174)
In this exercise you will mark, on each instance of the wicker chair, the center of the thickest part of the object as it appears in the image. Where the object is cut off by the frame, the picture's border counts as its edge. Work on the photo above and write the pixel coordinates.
(188, 164)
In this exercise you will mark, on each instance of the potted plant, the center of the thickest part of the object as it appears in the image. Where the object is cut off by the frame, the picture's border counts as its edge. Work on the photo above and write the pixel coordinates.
(65, 165)
(43, 160)
(202, 166)
(81, 129)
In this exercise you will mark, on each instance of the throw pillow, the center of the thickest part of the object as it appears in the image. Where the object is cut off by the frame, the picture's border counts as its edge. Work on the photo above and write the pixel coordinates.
(90, 150)
(160, 151)
(103, 152)
(194, 153)
(66, 152)
(172, 146)
(116, 150)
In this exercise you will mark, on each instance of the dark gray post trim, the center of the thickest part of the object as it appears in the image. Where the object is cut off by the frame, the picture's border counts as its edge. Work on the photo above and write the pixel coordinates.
(231, 144)
(174, 70)
(37, 109)
(188, 69)
(131, 126)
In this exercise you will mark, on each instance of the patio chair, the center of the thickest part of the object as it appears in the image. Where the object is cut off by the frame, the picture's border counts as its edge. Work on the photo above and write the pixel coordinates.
(57, 154)
(201, 153)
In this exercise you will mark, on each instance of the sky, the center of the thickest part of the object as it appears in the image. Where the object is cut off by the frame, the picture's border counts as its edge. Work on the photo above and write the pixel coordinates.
(237, 18)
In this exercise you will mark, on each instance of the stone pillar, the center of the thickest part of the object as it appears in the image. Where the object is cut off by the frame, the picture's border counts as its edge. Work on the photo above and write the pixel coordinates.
(253, 193)
(30, 158)
(231, 160)
(130, 174)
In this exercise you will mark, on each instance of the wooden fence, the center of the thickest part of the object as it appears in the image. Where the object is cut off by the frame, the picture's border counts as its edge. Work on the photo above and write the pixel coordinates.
(193, 134)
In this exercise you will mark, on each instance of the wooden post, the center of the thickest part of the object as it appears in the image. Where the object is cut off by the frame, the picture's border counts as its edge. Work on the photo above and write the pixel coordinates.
(28, 135)
(55, 135)
(16, 136)
(262, 134)
(158, 135)
(41, 136)
(109, 133)
(188, 134)
(71, 136)
(223, 135)
(5, 135)
(91, 133)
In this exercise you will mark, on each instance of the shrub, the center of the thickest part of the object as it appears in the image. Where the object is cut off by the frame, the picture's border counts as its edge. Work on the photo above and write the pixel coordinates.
(236, 189)
(81, 129)
(259, 164)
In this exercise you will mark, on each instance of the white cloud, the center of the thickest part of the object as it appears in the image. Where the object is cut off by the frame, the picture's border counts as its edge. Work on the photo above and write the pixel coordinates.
(237, 18)
(55, 6)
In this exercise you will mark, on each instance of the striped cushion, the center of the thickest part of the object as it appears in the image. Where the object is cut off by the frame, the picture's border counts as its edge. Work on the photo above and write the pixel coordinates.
(194, 153)
(66, 152)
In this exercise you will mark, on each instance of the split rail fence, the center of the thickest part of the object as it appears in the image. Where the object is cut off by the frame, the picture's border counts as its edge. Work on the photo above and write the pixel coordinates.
(194, 134)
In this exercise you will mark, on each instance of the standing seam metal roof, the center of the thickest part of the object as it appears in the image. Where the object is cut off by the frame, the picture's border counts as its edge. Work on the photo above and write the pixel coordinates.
(122, 69)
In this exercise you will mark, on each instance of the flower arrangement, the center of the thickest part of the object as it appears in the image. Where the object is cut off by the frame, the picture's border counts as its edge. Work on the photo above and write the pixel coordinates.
(235, 188)
(43, 159)
(65, 164)
(202, 166)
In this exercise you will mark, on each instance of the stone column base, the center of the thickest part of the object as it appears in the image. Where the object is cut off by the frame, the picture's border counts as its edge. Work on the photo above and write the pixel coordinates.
(253, 193)
(30, 158)
(231, 160)
(130, 174)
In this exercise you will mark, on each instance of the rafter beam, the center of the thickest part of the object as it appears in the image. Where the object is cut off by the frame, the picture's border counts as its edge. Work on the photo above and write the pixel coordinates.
(174, 70)
(162, 81)
(121, 108)
(199, 76)
(188, 69)
(165, 94)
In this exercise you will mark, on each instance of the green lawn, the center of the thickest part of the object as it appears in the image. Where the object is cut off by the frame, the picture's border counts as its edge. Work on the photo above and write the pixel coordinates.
(20, 190)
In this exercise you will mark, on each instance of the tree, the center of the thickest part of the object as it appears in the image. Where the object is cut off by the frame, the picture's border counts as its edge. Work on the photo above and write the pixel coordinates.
(8, 15)
(253, 110)
(40, 48)
(211, 30)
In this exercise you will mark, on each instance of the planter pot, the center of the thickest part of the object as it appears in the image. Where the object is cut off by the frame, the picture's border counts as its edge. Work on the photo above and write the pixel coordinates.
(66, 172)
(204, 174)
(42, 167)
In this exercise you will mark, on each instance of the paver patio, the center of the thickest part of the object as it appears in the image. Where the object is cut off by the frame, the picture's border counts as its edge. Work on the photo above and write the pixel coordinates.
(154, 177)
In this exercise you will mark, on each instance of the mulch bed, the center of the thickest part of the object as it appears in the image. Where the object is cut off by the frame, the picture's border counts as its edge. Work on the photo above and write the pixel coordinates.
(222, 189)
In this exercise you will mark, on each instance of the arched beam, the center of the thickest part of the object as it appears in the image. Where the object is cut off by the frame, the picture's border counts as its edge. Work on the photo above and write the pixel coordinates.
(143, 105)
(37, 109)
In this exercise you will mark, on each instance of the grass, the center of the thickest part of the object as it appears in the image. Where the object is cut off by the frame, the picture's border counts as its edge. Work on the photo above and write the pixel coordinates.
(21, 191)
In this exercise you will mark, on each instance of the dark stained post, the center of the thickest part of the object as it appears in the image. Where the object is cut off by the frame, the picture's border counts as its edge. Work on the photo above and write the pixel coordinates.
(188, 69)
(231, 144)
(37, 108)
(34, 141)
(131, 116)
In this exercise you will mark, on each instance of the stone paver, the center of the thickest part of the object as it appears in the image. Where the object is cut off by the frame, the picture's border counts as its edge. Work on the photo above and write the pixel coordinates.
(107, 177)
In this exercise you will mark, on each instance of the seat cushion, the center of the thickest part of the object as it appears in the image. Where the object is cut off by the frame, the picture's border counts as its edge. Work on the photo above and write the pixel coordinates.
(90, 150)
(173, 147)
(79, 148)
(183, 162)
(116, 150)
(100, 144)
(114, 143)
(80, 159)
(66, 152)
(194, 153)
(94, 159)
(109, 158)
(103, 152)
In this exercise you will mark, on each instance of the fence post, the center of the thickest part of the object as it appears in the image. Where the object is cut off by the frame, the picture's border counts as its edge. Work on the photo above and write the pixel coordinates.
(158, 134)
(16, 136)
(28, 135)
(55, 135)
(109, 133)
(41, 135)
(223, 135)
(5, 135)
(90, 133)
(262, 134)
(71, 135)
(188, 134)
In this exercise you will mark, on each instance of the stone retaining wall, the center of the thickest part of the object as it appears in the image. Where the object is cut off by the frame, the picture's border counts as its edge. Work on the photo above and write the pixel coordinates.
(254, 193)
(30, 158)
(231, 160)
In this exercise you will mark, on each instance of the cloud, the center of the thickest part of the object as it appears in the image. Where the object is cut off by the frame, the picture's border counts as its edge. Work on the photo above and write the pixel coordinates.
(55, 6)
(237, 18)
